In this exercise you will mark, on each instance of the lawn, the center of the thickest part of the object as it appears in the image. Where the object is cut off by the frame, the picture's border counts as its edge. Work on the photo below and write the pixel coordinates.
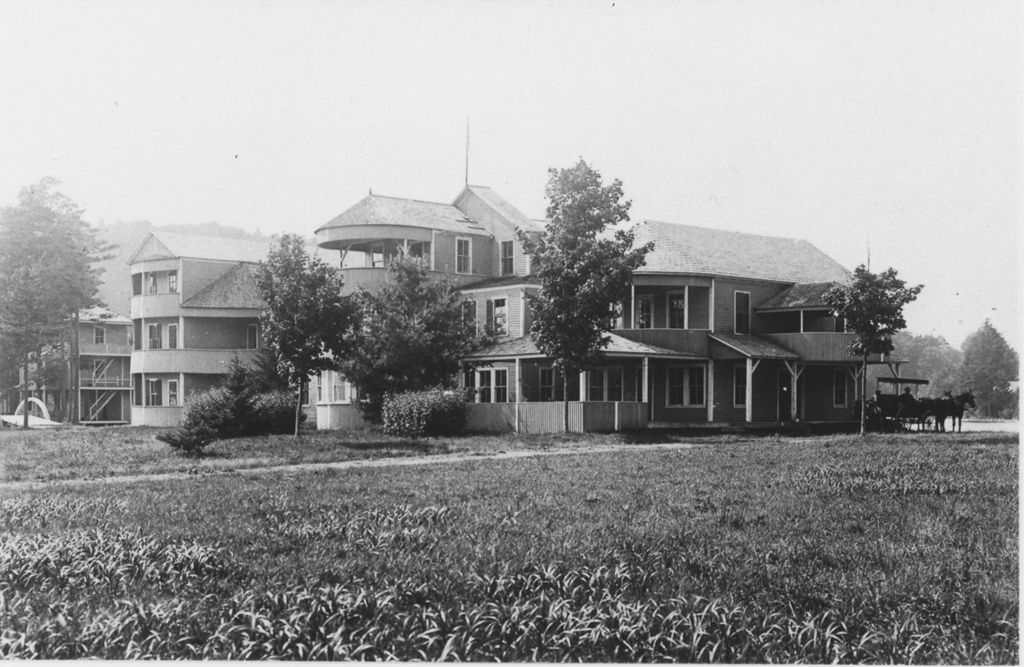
(883, 549)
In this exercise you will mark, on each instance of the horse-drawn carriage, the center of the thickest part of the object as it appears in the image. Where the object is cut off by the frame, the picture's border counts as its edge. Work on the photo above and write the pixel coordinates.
(895, 411)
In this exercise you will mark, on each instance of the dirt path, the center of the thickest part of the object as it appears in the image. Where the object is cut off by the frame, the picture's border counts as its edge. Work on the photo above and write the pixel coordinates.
(436, 459)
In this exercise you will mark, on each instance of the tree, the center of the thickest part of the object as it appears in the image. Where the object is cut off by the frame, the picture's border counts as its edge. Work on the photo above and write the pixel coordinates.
(872, 305)
(48, 258)
(988, 367)
(305, 317)
(584, 264)
(411, 336)
(928, 357)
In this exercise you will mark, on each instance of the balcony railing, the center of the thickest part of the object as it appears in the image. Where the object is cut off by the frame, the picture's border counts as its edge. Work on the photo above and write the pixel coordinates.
(106, 382)
(188, 360)
(689, 341)
(816, 346)
(155, 305)
(102, 349)
(371, 278)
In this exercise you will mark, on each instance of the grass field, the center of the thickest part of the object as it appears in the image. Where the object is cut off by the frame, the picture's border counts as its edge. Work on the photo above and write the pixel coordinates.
(881, 549)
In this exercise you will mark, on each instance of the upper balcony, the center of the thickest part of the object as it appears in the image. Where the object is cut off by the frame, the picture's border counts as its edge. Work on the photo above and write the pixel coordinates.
(155, 305)
(689, 341)
(104, 349)
(816, 346)
(371, 278)
(188, 360)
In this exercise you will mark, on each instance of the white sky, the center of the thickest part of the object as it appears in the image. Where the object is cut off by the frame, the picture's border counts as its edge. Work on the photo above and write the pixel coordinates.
(842, 123)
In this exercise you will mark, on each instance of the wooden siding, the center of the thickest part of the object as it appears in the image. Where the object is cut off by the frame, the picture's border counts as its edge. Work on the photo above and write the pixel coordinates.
(154, 305)
(334, 417)
(480, 254)
(187, 361)
(548, 417)
(677, 340)
(724, 305)
(372, 278)
(164, 416)
(815, 346)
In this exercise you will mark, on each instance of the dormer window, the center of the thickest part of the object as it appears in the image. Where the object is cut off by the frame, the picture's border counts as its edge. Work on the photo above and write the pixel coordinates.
(507, 264)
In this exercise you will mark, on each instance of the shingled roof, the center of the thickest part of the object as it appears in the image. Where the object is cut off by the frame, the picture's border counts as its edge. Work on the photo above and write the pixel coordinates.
(798, 297)
(381, 210)
(236, 288)
(194, 246)
(715, 252)
(617, 346)
(505, 209)
(752, 346)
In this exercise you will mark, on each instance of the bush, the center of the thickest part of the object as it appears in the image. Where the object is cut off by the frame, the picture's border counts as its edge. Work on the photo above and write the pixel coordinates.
(424, 413)
(223, 412)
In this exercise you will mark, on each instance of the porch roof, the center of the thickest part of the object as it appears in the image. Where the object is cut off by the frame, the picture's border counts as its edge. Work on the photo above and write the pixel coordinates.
(524, 347)
(802, 296)
(751, 346)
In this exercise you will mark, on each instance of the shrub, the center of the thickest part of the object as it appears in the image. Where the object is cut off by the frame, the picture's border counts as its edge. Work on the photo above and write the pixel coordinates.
(273, 412)
(423, 413)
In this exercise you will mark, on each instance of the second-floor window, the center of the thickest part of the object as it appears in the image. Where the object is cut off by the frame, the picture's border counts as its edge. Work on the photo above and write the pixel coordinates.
(742, 304)
(99, 335)
(155, 342)
(251, 336)
(497, 316)
(463, 258)
(506, 258)
(172, 281)
(644, 312)
(172, 336)
(469, 315)
(677, 310)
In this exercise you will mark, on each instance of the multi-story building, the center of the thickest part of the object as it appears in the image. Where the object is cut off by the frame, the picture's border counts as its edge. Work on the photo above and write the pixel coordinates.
(104, 380)
(719, 328)
(194, 307)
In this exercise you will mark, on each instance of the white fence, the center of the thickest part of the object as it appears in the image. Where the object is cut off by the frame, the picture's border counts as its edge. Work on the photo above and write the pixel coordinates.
(548, 417)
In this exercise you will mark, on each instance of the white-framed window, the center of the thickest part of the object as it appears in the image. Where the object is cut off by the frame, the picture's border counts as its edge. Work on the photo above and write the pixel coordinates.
(839, 387)
(155, 337)
(339, 390)
(172, 336)
(497, 316)
(507, 262)
(469, 315)
(741, 303)
(99, 335)
(172, 281)
(551, 385)
(304, 392)
(739, 386)
(151, 280)
(492, 385)
(685, 386)
(153, 393)
(463, 255)
(251, 336)
(604, 384)
(677, 310)
(644, 312)
(172, 392)
(420, 250)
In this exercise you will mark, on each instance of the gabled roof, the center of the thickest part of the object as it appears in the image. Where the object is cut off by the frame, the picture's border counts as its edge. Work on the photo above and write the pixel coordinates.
(797, 297)
(171, 245)
(236, 288)
(751, 346)
(617, 347)
(381, 210)
(715, 252)
(101, 315)
(503, 208)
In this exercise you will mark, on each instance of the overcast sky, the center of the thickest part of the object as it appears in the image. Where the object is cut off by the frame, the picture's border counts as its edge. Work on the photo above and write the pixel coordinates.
(849, 124)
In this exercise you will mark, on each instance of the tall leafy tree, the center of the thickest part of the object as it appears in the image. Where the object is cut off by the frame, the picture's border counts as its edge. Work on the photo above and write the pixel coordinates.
(48, 273)
(989, 366)
(305, 317)
(872, 305)
(925, 356)
(585, 262)
(411, 335)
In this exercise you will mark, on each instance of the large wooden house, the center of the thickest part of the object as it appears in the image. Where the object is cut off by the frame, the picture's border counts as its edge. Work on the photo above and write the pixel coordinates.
(719, 327)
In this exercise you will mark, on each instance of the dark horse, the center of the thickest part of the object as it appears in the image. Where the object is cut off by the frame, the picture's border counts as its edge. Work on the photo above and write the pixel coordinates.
(949, 405)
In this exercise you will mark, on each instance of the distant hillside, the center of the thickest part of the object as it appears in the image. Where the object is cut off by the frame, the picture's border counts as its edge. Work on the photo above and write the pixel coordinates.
(115, 287)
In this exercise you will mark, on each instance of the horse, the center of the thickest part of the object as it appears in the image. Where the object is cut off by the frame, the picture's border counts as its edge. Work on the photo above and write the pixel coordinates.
(953, 406)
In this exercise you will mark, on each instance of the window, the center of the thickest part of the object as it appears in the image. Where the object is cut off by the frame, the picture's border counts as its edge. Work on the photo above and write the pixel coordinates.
(320, 387)
(172, 392)
(251, 336)
(497, 317)
(677, 310)
(136, 284)
(172, 336)
(152, 282)
(551, 387)
(99, 335)
(339, 390)
(483, 387)
(420, 250)
(172, 281)
(686, 386)
(155, 339)
(304, 393)
(644, 312)
(463, 258)
(506, 258)
(839, 388)
(492, 385)
(739, 386)
(605, 384)
(501, 386)
(153, 392)
(469, 314)
(741, 301)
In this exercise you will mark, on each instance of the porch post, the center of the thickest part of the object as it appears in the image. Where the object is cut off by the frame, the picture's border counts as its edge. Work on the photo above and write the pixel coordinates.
(751, 367)
(519, 388)
(711, 390)
(794, 375)
(632, 306)
(583, 387)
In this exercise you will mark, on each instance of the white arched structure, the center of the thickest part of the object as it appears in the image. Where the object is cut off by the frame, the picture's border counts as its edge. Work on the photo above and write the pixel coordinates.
(36, 401)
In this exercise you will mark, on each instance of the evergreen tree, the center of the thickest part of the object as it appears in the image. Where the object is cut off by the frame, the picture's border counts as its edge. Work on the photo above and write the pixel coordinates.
(305, 317)
(988, 367)
(585, 266)
(411, 335)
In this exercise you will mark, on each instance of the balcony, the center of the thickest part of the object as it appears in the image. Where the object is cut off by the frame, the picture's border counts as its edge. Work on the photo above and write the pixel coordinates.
(371, 278)
(187, 360)
(689, 341)
(104, 349)
(815, 346)
(105, 382)
(155, 305)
